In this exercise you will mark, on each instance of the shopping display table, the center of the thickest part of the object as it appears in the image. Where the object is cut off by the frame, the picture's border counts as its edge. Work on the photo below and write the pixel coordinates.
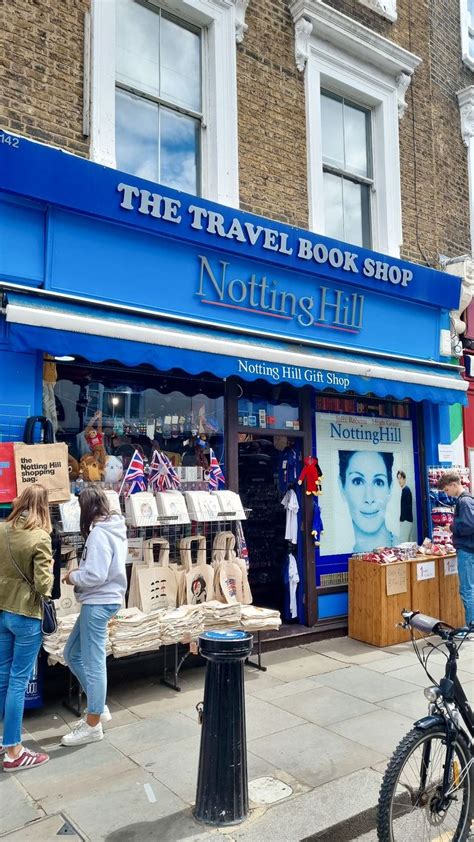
(379, 592)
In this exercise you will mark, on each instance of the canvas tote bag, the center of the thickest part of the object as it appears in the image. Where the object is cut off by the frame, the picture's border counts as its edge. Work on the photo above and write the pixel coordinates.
(198, 583)
(230, 585)
(153, 585)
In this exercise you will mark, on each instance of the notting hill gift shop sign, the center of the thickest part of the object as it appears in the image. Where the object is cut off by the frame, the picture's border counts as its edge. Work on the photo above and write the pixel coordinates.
(76, 227)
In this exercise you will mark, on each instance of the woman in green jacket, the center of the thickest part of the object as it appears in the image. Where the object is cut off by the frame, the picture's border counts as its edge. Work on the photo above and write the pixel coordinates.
(25, 551)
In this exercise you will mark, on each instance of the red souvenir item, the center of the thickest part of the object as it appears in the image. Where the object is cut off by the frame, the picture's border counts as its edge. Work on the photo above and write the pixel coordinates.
(312, 473)
(7, 473)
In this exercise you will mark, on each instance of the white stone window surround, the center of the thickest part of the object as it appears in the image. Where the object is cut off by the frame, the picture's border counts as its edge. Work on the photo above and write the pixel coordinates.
(466, 111)
(222, 23)
(466, 37)
(385, 8)
(347, 58)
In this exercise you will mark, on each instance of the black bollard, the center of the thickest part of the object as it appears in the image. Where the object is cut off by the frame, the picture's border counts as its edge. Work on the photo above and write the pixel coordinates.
(222, 788)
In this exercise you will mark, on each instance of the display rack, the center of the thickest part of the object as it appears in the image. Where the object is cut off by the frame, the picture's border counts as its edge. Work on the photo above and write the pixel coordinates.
(441, 506)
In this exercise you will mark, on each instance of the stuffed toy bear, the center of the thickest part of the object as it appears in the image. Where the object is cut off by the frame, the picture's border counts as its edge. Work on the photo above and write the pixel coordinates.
(73, 467)
(90, 468)
(95, 440)
(312, 473)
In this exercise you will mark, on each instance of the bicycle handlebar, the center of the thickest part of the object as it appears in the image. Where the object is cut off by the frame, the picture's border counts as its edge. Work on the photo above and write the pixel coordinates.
(428, 625)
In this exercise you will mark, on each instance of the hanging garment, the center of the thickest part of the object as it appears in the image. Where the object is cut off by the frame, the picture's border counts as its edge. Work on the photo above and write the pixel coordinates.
(293, 580)
(317, 527)
(290, 503)
(288, 467)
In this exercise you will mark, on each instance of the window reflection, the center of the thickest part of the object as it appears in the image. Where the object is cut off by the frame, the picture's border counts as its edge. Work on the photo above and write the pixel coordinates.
(158, 71)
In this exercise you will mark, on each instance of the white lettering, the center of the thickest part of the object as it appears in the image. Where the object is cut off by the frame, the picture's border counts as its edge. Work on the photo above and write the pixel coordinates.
(170, 210)
(305, 248)
(150, 203)
(198, 215)
(270, 240)
(284, 249)
(235, 232)
(128, 191)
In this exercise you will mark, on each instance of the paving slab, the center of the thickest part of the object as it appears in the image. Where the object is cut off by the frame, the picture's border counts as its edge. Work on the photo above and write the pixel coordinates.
(70, 768)
(135, 796)
(323, 705)
(296, 818)
(16, 808)
(381, 730)
(347, 650)
(152, 732)
(313, 755)
(366, 684)
(46, 829)
(412, 705)
(392, 662)
(170, 828)
(305, 667)
(176, 766)
(416, 674)
(287, 688)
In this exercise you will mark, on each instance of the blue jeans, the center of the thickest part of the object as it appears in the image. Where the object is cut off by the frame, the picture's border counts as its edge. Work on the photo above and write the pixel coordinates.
(85, 653)
(20, 642)
(466, 583)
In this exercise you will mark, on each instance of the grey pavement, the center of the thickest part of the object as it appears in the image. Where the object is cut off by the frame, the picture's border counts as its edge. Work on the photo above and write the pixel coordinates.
(321, 724)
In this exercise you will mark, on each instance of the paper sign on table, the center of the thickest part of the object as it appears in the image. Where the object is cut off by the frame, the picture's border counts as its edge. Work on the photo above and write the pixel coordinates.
(396, 579)
(425, 570)
(450, 566)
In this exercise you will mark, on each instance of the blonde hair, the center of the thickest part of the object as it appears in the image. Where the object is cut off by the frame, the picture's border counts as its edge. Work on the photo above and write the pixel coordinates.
(32, 505)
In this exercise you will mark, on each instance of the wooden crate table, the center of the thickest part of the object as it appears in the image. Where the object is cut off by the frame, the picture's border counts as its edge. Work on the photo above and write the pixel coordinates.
(374, 615)
(451, 609)
(379, 592)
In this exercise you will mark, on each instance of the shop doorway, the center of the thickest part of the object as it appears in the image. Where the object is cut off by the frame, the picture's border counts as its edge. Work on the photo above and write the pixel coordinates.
(263, 481)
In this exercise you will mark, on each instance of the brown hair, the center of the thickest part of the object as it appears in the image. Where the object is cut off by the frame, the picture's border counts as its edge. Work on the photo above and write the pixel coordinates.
(94, 506)
(32, 505)
(447, 478)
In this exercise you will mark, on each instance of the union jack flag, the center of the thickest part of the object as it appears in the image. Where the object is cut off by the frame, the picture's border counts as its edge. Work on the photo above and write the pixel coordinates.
(216, 475)
(162, 473)
(242, 549)
(135, 475)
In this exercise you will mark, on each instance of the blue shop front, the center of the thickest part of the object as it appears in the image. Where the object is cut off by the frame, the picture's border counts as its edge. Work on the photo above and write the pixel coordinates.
(180, 325)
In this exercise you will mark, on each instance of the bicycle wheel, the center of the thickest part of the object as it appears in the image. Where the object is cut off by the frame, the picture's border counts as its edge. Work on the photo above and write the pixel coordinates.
(410, 802)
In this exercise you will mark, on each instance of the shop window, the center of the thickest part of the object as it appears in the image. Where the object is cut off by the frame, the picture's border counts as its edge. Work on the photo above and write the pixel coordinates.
(347, 169)
(141, 412)
(258, 412)
(467, 32)
(355, 83)
(163, 94)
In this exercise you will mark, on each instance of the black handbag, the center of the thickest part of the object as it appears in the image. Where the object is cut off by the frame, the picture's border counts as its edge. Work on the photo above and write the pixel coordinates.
(46, 430)
(49, 620)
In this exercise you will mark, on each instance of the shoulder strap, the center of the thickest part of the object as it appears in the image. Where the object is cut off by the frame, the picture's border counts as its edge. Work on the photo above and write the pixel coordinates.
(17, 567)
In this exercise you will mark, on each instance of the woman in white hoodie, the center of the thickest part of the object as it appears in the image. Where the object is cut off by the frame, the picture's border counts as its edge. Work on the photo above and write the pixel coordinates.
(100, 584)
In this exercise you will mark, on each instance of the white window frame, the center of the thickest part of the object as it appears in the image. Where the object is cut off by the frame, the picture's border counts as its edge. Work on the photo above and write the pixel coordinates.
(219, 135)
(468, 60)
(351, 60)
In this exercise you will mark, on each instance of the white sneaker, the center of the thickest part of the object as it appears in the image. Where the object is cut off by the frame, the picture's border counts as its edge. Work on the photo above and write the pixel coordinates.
(105, 716)
(82, 734)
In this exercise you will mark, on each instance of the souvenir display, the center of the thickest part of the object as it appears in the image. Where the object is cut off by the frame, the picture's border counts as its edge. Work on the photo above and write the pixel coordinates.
(202, 506)
(197, 585)
(312, 474)
(153, 586)
(230, 504)
(141, 509)
(172, 507)
(114, 500)
(132, 631)
(70, 514)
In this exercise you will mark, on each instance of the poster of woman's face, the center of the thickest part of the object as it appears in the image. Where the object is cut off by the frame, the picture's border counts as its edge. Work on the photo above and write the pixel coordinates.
(361, 504)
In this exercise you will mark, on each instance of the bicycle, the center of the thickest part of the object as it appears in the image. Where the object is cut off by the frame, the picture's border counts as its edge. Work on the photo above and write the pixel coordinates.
(427, 791)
